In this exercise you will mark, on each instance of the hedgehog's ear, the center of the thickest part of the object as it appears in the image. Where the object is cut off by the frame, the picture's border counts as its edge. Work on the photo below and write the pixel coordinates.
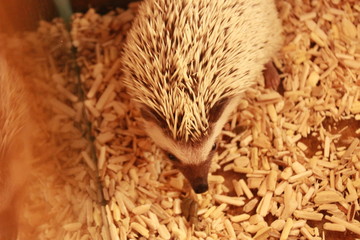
(152, 116)
(217, 110)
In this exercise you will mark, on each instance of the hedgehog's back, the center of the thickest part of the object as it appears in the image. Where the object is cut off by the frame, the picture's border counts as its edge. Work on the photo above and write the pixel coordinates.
(196, 53)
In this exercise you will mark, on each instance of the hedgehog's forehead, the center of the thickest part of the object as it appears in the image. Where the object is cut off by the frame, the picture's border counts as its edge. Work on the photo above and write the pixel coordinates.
(188, 139)
(186, 116)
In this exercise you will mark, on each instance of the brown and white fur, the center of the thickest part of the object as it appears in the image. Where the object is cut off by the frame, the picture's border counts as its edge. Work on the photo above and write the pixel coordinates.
(186, 64)
(15, 149)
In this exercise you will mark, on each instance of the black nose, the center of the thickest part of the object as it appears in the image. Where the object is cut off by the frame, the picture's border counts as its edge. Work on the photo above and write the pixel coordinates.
(202, 187)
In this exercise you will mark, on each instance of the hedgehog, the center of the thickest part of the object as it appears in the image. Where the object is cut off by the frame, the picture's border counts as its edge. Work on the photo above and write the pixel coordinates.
(14, 147)
(187, 64)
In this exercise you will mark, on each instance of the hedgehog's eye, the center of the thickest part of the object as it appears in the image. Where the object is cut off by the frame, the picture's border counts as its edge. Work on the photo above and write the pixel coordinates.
(172, 157)
(214, 146)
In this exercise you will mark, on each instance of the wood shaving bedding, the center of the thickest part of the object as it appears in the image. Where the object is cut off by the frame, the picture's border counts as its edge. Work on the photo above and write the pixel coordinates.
(288, 165)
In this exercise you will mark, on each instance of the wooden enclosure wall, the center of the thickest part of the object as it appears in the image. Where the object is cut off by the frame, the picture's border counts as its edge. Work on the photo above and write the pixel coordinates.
(22, 15)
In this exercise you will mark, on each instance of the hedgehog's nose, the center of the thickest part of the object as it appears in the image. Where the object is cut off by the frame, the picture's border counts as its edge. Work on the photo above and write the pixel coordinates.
(200, 185)
(201, 188)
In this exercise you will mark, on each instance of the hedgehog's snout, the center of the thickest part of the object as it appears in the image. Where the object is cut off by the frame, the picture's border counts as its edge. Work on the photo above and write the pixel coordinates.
(197, 175)
(200, 185)
(201, 188)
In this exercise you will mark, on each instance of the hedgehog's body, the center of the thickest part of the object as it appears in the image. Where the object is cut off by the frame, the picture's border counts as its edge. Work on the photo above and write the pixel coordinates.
(14, 147)
(187, 63)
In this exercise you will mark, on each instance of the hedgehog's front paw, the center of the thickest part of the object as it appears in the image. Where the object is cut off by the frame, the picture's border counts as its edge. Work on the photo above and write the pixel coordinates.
(271, 75)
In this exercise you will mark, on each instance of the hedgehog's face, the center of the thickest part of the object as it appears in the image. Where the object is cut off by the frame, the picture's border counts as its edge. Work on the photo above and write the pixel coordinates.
(192, 159)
